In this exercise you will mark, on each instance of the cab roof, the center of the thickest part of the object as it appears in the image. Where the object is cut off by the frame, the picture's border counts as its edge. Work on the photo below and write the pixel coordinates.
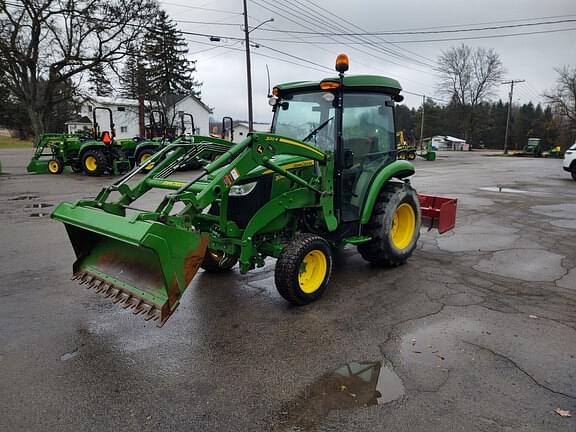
(359, 81)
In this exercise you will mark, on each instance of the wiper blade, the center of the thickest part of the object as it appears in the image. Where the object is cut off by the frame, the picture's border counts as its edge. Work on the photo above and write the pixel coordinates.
(315, 131)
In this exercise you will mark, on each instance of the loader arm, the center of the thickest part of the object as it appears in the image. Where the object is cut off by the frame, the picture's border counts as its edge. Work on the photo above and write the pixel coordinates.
(146, 261)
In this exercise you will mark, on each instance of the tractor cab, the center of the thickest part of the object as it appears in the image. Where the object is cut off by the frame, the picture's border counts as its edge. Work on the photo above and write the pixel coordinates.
(351, 118)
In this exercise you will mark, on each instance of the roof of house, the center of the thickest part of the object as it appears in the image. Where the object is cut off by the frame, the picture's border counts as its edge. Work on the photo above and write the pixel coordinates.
(79, 120)
(112, 100)
(258, 127)
(180, 98)
(134, 102)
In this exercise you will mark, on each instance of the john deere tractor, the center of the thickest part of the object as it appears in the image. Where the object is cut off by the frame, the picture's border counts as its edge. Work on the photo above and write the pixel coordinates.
(95, 154)
(166, 135)
(326, 176)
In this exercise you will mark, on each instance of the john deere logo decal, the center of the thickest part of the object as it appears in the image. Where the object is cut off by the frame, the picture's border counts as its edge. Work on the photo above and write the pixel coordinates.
(259, 149)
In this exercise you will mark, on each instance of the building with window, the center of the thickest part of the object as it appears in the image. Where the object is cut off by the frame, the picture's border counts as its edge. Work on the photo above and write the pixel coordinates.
(125, 114)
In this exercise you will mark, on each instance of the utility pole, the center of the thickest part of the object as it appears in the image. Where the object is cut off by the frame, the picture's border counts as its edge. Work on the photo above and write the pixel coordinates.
(422, 122)
(248, 66)
(248, 69)
(511, 82)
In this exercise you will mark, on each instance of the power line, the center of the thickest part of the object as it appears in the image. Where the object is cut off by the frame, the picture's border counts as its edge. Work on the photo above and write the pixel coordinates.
(486, 37)
(207, 23)
(201, 8)
(427, 97)
(408, 32)
(380, 39)
(314, 24)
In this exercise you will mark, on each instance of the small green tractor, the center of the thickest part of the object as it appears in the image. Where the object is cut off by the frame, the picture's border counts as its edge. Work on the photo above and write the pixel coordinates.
(95, 154)
(326, 176)
(404, 150)
(147, 148)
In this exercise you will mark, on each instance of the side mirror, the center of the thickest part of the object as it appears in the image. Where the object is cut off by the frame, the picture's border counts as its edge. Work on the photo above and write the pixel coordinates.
(348, 159)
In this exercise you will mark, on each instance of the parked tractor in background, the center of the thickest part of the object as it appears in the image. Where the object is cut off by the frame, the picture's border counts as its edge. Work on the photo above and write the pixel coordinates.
(94, 154)
(533, 148)
(403, 147)
(326, 176)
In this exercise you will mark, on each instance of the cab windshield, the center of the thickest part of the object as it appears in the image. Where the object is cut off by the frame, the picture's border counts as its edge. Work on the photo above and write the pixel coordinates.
(307, 117)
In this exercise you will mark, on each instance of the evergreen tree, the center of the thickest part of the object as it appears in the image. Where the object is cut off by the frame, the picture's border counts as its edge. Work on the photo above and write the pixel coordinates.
(129, 77)
(100, 84)
(169, 72)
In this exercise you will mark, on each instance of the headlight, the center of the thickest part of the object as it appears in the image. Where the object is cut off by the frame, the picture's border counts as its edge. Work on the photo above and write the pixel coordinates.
(243, 189)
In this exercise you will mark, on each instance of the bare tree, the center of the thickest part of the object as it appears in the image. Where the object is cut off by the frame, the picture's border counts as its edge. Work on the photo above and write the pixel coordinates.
(469, 76)
(563, 97)
(44, 43)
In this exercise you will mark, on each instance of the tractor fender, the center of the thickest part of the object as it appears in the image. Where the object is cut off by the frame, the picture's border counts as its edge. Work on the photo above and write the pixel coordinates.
(90, 145)
(398, 169)
(147, 144)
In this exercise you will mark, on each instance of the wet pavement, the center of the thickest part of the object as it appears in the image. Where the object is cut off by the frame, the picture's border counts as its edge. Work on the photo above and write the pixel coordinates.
(475, 333)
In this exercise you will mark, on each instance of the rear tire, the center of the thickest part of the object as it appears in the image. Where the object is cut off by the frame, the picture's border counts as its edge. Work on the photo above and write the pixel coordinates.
(217, 262)
(303, 269)
(94, 163)
(55, 166)
(573, 171)
(411, 156)
(394, 226)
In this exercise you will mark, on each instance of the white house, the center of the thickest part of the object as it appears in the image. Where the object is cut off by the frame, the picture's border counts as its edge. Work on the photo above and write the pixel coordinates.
(241, 130)
(125, 114)
(199, 110)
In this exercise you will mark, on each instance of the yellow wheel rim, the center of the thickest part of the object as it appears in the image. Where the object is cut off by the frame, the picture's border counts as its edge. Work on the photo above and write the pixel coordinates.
(53, 167)
(312, 271)
(91, 163)
(144, 158)
(403, 226)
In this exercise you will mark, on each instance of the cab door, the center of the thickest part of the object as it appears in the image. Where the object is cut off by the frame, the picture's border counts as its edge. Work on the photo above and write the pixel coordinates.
(368, 140)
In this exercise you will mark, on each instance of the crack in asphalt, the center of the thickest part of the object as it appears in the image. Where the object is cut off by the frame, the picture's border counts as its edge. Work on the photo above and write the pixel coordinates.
(517, 366)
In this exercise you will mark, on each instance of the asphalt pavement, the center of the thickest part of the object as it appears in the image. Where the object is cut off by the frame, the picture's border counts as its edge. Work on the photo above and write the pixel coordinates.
(475, 333)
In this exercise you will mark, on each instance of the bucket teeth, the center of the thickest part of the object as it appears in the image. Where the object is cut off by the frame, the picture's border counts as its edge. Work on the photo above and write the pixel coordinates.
(127, 300)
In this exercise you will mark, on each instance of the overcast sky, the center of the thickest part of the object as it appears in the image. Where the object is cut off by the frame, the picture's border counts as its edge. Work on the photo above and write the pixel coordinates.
(223, 71)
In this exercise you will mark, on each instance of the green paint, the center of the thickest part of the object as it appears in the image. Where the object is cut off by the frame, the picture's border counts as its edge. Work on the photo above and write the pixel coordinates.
(400, 169)
(350, 81)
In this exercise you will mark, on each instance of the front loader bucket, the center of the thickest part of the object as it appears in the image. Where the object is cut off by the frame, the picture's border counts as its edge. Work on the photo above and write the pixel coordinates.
(140, 265)
(38, 166)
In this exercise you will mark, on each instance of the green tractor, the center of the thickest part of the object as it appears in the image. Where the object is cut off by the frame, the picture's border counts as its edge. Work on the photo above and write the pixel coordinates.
(165, 136)
(326, 176)
(95, 155)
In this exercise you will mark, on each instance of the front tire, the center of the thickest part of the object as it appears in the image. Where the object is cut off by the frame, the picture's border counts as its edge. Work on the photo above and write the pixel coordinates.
(303, 269)
(394, 226)
(55, 166)
(573, 171)
(94, 163)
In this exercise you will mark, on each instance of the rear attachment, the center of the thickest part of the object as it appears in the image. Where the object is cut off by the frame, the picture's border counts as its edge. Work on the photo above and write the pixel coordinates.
(438, 212)
(142, 266)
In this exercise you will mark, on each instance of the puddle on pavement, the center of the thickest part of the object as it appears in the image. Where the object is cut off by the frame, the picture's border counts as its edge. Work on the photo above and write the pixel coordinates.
(354, 385)
(39, 214)
(69, 356)
(38, 206)
(503, 189)
(24, 197)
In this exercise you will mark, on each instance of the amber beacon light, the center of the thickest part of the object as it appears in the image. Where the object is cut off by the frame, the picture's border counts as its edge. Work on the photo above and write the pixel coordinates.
(342, 63)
